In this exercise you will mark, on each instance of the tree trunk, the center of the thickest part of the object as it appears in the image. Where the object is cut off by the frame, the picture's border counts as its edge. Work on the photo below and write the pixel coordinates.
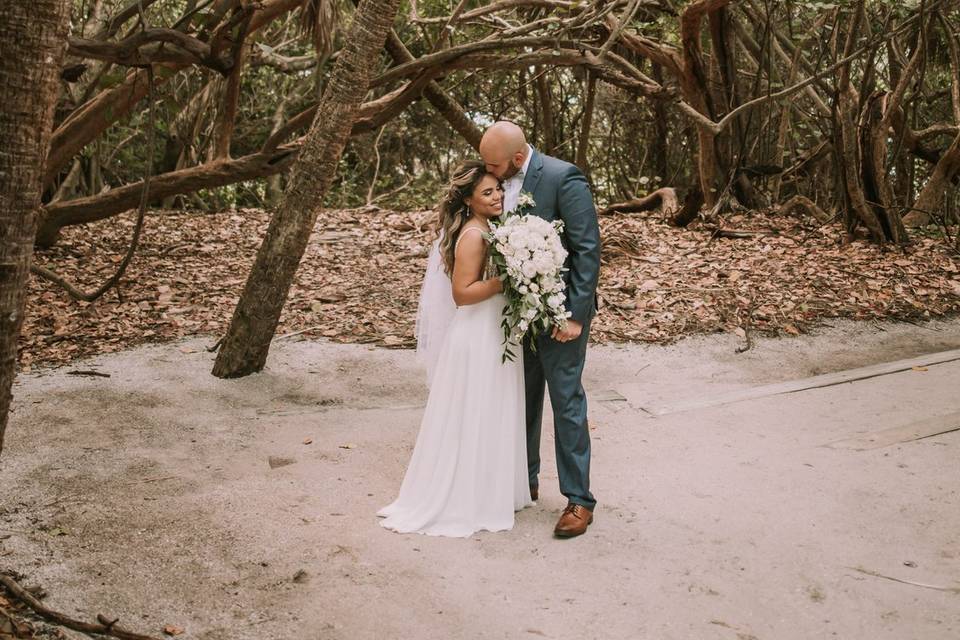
(694, 86)
(583, 148)
(546, 110)
(660, 144)
(692, 204)
(903, 178)
(255, 319)
(849, 147)
(274, 191)
(33, 43)
(875, 178)
(783, 130)
(931, 197)
(226, 121)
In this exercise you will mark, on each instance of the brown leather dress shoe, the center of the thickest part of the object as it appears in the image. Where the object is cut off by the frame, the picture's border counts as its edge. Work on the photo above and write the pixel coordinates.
(534, 492)
(573, 521)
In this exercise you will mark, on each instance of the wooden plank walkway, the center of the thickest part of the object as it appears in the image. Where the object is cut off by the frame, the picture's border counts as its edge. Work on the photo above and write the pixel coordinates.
(804, 384)
(918, 430)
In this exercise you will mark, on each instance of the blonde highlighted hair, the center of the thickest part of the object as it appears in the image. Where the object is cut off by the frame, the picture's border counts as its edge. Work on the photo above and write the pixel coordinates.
(453, 210)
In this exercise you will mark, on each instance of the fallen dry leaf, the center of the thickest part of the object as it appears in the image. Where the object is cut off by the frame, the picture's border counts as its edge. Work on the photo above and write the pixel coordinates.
(360, 279)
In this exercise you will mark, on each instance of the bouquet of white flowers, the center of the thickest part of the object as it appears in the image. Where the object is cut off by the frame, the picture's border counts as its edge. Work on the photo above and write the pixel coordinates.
(527, 254)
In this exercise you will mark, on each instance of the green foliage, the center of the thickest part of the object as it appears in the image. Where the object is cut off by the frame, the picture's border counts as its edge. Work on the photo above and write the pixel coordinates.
(636, 144)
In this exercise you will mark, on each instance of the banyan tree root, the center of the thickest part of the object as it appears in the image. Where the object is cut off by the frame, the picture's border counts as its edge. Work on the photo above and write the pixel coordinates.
(804, 203)
(27, 598)
(742, 234)
(664, 199)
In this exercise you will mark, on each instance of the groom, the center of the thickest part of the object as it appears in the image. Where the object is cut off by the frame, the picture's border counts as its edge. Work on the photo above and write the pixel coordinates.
(560, 191)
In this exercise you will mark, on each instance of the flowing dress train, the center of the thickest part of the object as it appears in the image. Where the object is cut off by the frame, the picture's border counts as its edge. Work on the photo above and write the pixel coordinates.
(468, 471)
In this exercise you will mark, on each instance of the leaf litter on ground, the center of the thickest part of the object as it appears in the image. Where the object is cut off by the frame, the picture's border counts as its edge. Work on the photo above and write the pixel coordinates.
(359, 280)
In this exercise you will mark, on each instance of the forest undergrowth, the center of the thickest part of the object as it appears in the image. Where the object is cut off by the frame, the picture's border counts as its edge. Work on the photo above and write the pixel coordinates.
(359, 281)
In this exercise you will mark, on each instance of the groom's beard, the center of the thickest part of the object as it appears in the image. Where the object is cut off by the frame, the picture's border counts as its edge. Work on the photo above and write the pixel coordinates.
(510, 171)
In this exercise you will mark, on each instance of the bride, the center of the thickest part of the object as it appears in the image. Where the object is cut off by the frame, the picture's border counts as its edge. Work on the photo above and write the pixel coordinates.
(468, 471)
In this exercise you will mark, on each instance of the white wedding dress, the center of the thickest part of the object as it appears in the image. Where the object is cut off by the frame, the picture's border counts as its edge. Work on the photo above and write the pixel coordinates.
(468, 471)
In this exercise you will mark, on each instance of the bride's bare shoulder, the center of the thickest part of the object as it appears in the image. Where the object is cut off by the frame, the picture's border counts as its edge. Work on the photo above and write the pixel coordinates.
(470, 239)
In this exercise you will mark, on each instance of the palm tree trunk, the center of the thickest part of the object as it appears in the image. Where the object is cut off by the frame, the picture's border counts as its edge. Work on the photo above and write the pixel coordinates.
(255, 319)
(33, 42)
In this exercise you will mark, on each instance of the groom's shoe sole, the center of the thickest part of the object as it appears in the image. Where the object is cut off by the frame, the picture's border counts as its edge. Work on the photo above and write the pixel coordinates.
(572, 534)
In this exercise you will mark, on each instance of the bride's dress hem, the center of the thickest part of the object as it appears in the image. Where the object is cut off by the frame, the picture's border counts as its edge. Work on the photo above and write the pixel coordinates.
(444, 532)
(468, 469)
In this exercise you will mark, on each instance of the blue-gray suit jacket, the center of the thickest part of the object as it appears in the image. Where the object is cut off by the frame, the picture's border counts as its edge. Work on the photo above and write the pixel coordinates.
(561, 191)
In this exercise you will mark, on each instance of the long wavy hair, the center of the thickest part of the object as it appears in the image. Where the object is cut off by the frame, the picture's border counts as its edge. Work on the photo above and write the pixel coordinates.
(453, 211)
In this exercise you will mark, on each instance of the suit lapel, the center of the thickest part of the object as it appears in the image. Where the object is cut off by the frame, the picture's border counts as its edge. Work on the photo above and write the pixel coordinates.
(534, 171)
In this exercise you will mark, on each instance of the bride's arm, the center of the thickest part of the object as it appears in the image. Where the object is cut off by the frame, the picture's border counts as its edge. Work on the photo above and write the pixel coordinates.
(468, 288)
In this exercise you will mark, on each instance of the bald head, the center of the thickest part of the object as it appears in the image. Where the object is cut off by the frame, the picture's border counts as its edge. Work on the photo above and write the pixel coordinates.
(503, 149)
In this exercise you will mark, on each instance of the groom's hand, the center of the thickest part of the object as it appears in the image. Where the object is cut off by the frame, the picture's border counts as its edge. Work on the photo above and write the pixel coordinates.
(571, 332)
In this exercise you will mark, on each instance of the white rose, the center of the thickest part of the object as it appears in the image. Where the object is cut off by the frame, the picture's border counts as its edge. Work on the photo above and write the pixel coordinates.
(529, 270)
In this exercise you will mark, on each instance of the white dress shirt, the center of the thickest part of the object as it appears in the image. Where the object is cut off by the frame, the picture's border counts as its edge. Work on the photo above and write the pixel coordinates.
(513, 185)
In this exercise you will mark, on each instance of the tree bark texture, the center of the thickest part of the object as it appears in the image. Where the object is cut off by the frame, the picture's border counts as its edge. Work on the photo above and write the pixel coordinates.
(206, 176)
(686, 66)
(693, 84)
(247, 342)
(664, 199)
(33, 42)
(873, 168)
(850, 140)
(545, 102)
(584, 147)
(933, 192)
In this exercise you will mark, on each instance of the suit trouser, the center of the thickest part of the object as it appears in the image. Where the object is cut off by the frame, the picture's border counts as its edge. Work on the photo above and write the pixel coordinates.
(559, 365)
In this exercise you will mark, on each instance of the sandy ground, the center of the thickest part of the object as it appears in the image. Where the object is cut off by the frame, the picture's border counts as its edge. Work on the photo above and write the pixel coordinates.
(162, 495)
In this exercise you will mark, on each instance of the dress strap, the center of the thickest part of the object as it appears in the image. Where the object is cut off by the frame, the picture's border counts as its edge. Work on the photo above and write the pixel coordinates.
(456, 245)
